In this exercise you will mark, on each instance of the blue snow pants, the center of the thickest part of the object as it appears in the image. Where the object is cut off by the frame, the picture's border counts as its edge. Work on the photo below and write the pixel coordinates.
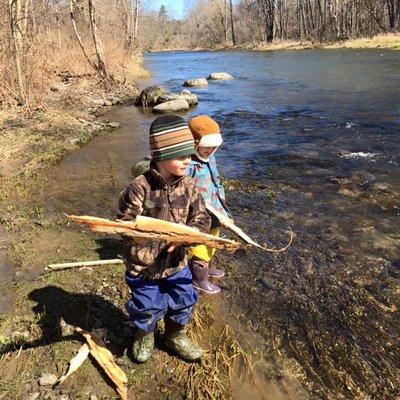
(173, 297)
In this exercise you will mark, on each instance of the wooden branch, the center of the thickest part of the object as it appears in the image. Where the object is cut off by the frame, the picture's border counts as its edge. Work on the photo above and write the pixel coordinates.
(56, 267)
(156, 229)
(229, 224)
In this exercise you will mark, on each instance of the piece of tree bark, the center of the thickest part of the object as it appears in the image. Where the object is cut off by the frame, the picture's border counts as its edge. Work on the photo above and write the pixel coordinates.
(156, 229)
(106, 360)
(76, 361)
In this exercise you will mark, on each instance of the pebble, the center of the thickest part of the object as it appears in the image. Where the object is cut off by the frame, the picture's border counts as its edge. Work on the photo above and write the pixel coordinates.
(114, 125)
(86, 270)
(74, 141)
(48, 379)
(20, 335)
(33, 396)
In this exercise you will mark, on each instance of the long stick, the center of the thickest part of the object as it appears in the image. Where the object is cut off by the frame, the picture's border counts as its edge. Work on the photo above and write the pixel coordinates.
(55, 267)
(227, 223)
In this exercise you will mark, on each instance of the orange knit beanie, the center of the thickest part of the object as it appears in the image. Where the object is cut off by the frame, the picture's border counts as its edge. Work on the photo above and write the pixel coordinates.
(205, 131)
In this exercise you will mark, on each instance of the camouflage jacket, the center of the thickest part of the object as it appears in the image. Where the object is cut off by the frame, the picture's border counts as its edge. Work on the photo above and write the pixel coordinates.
(151, 196)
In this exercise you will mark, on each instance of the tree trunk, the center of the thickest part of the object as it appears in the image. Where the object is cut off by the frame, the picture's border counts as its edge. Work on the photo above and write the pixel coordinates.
(15, 9)
(136, 21)
(78, 37)
(232, 24)
(97, 43)
(226, 20)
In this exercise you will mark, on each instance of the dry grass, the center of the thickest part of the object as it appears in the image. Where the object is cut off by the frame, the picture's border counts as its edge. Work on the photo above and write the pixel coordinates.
(385, 41)
(388, 41)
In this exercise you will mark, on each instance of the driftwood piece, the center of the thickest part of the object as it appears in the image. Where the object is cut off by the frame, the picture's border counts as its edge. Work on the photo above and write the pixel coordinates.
(156, 229)
(76, 361)
(56, 267)
(106, 360)
(227, 223)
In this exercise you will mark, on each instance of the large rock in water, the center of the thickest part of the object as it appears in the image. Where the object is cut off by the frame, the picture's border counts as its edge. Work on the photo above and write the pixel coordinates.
(149, 96)
(196, 82)
(191, 98)
(186, 95)
(172, 106)
(220, 76)
(167, 97)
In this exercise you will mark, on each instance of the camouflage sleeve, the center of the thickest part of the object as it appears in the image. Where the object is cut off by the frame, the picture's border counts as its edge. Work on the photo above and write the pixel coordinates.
(198, 216)
(130, 203)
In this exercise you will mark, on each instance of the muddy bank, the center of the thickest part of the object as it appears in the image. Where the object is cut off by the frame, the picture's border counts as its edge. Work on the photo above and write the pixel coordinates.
(47, 307)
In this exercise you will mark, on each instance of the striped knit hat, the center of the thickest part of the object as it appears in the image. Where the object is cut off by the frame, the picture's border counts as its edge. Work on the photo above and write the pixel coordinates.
(170, 137)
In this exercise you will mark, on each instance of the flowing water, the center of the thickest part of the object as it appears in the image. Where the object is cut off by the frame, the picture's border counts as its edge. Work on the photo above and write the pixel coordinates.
(311, 141)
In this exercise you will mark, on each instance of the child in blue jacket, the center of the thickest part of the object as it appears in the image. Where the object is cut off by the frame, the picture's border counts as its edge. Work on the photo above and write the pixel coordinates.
(204, 172)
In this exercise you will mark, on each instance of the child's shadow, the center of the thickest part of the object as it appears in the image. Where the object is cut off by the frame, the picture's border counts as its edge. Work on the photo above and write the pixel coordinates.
(59, 311)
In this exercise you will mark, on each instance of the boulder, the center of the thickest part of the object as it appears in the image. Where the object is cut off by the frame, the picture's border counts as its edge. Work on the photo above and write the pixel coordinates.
(167, 97)
(190, 98)
(172, 106)
(220, 76)
(149, 96)
(196, 82)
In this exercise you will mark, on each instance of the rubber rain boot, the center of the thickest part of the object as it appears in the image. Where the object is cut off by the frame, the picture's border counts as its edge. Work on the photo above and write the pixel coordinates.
(176, 340)
(200, 278)
(143, 346)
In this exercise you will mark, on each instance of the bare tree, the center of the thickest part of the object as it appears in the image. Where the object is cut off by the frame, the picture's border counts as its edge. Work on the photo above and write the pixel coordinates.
(99, 67)
(232, 25)
(15, 10)
(136, 20)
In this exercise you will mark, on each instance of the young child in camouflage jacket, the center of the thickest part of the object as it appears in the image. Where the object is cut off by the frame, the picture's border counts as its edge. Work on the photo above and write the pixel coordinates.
(157, 272)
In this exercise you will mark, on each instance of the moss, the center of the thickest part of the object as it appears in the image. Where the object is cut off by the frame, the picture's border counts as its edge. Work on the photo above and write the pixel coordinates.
(249, 186)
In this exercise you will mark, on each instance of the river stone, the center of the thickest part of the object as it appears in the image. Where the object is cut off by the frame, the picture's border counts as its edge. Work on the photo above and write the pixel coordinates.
(167, 97)
(220, 76)
(196, 82)
(172, 106)
(114, 125)
(149, 96)
(101, 102)
(33, 396)
(190, 98)
(48, 379)
(186, 91)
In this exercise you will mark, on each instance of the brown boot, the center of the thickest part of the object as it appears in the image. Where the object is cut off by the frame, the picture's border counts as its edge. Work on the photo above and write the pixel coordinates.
(200, 278)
